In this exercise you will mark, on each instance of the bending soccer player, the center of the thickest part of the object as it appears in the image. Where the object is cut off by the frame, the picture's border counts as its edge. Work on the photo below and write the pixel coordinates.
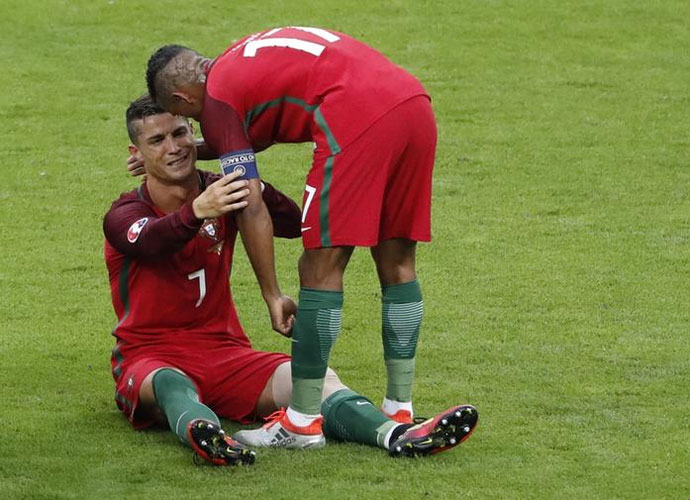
(181, 354)
(369, 183)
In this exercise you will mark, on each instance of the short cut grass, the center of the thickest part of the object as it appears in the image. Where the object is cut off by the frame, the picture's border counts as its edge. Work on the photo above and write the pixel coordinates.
(556, 286)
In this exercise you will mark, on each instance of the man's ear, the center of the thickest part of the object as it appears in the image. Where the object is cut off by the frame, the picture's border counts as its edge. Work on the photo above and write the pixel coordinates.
(133, 150)
(179, 95)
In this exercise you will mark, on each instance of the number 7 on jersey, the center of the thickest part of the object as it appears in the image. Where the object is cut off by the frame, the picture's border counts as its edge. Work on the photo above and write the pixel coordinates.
(201, 275)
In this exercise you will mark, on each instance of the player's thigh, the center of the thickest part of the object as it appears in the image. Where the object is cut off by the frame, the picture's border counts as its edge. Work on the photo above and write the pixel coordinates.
(147, 396)
(234, 379)
(406, 209)
(276, 393)
(134, 390)
(344, 193)
(331, 384)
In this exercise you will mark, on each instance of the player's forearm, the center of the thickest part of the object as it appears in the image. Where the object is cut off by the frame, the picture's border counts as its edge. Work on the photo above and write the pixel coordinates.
(135, 231)
(254, 224)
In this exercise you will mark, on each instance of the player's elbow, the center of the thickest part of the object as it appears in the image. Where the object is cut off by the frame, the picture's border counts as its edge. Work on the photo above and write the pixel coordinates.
(255, 208)
(287, 228)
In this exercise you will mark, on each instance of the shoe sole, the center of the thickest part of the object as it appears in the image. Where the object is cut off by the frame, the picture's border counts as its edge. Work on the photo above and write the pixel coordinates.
(452, 428)
(213, 448)
(300, 446)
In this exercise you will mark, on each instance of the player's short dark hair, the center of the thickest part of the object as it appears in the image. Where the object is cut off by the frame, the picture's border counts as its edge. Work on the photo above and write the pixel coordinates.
(157, 62)
(139, 109)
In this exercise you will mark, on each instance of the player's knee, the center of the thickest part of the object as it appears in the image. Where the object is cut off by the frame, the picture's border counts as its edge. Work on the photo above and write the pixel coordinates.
(331, 383)
(323, 268)
(396, 274)
(148, 406)
(395, 261)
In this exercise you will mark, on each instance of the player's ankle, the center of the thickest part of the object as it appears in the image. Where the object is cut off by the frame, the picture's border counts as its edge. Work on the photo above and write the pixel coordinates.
(394, 434)
(391, 406)
(302, 423)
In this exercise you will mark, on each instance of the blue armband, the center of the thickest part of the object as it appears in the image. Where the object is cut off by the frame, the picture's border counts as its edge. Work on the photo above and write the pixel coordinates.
(244, 161)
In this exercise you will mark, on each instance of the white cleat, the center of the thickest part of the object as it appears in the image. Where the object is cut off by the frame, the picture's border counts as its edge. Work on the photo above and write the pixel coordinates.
(279, 432)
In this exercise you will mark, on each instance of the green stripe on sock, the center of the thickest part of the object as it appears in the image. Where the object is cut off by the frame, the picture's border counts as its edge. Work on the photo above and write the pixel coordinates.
(328, 324)
(401, 328)
(402, 310)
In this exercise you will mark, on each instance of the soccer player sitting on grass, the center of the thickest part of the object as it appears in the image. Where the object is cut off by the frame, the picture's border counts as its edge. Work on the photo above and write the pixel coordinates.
(181, 354)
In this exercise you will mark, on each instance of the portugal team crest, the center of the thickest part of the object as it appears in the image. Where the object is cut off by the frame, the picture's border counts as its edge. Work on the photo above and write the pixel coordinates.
(135, 229)
(210, 229)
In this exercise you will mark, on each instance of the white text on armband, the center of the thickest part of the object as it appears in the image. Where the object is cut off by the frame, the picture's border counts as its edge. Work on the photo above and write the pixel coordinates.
(243, 161)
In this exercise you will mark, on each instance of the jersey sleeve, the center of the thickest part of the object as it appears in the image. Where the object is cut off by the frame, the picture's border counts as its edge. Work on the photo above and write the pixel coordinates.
(224, 132)
(285, 214)
(133, 228)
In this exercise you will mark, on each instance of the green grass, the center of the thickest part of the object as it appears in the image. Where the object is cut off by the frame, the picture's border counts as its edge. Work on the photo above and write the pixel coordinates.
(556, 285)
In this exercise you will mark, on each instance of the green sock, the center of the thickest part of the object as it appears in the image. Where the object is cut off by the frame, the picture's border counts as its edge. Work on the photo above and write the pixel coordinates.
(176, 395)
(319, 317)
(402, 312)
(349, 416)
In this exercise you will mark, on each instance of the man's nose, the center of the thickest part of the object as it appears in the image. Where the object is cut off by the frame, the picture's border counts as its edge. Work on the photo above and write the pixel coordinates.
(171, 144)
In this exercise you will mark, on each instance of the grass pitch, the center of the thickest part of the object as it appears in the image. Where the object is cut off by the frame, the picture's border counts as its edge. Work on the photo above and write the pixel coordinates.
(556, 287)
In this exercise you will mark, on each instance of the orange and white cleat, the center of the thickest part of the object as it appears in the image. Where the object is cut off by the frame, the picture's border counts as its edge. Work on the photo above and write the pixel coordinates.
(400, 416)
(279, 432)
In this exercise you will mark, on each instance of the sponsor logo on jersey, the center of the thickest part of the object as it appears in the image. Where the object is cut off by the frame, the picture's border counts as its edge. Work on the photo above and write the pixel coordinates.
(135, 229)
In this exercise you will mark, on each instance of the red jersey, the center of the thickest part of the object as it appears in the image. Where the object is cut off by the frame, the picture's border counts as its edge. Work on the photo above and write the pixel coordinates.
(298, 84)
(169, 273)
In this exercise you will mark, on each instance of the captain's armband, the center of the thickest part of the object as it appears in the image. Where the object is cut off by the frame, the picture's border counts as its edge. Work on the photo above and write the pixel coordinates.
(243, 161)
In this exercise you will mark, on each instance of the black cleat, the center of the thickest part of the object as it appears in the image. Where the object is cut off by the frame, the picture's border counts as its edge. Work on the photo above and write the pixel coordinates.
(211, 443)
(440, 433)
